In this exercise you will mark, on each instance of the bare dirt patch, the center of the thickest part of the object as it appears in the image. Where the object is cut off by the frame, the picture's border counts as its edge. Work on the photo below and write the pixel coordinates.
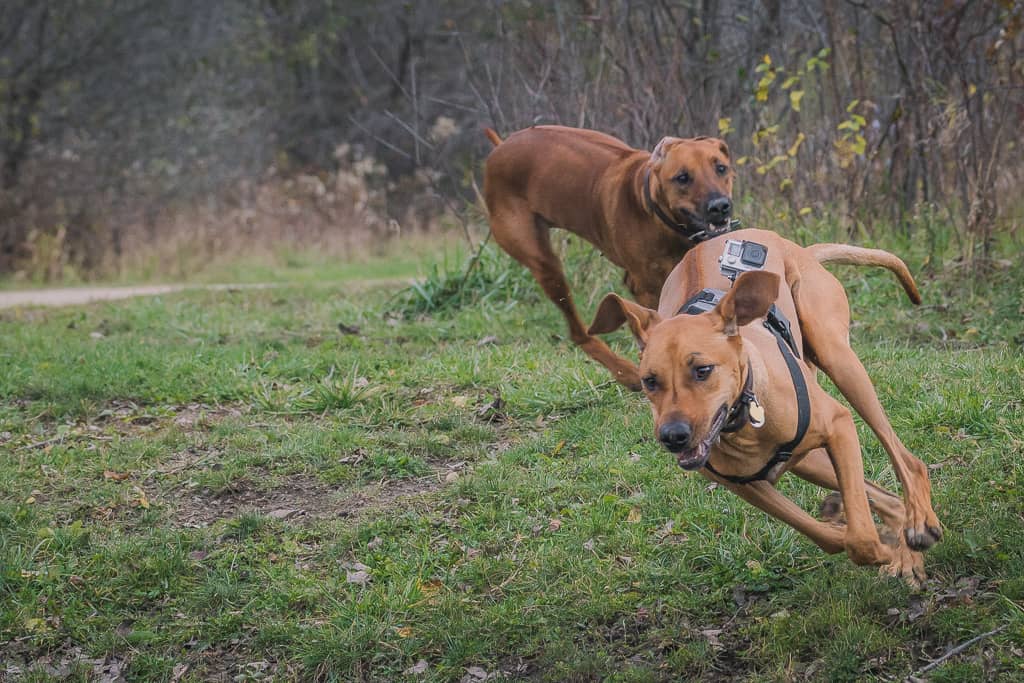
(299, 499)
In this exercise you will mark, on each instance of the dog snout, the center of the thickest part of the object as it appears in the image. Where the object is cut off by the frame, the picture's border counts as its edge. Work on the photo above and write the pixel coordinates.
(675, 436)
(719, 208)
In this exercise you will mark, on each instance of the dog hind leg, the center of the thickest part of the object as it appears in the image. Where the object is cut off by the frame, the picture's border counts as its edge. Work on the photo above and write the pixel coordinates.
(827, 336)
(526, 238)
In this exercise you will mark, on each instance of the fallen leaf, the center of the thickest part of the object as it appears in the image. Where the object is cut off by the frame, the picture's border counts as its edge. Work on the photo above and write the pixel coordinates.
(179, 672)
(712, 635)
(554, 524)
(35, 625)
(403, 631)
(359, 578)
(431, 588)
(417, 668)
(141, 500)
(634, 515)
(359, 574)
(116, 476)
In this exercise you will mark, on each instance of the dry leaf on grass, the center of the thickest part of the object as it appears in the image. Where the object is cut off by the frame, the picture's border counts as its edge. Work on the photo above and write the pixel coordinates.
(712, 635)
(417, 668)
(357, 573)
(475, 673)
(140, 498)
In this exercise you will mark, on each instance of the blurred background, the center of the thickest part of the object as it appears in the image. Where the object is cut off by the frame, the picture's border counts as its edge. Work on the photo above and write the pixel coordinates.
(155, 139)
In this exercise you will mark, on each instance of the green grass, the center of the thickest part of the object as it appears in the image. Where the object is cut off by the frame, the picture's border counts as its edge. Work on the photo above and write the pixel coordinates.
(227, 485)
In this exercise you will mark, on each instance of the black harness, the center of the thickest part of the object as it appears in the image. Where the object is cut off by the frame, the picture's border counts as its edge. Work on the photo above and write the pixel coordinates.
(682, 229)
(779, 326)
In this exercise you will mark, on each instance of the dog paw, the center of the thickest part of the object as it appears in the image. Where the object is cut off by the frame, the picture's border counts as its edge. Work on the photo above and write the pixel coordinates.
(906, 564)
(923, 536)
(921, 528)
(831, 509)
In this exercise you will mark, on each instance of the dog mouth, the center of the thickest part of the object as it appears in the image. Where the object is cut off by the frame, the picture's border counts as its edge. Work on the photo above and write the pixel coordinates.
(718, 227)
(710, 228)
(694, 458)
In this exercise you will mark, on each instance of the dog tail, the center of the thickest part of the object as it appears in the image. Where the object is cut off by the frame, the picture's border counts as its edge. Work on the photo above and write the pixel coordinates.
(845, 254)
(492, 136)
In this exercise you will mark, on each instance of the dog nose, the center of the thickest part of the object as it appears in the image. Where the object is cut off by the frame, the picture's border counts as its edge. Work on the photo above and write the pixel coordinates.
(674, 435)
(719, 208)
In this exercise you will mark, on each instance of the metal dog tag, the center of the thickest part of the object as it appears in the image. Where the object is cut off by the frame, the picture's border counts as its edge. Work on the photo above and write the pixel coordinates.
(756, 413)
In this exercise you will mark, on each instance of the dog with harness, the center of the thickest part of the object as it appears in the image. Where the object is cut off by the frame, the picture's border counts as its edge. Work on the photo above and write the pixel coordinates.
(734, 395)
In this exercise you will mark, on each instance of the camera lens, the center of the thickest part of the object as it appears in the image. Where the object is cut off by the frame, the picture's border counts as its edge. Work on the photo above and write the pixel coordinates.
(754, 254)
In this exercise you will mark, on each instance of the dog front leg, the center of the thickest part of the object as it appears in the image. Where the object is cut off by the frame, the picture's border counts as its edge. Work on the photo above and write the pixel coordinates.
(816, 467)
(762, 495)
(862, 542)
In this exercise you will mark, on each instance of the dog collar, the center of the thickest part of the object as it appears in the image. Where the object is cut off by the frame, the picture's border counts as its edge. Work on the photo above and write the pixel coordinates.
(739, 413)
(684, 230)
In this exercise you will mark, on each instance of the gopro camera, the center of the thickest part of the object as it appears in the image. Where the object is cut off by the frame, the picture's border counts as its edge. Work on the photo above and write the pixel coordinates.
(740, 256)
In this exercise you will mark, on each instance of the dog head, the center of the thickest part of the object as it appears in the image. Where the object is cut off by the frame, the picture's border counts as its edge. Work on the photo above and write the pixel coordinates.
(692, 178)
(692, 366)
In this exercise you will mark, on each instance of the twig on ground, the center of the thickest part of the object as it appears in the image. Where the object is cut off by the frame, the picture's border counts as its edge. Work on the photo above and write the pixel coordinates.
(45, 442)
(952, 652)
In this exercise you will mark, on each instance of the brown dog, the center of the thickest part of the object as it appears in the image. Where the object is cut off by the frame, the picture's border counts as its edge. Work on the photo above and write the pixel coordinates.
(676, 349)
(643, 210)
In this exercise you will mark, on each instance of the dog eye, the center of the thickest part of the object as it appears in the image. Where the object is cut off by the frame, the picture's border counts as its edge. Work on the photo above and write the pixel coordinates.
(683, 178)
(701, 373)
(721, 169)
(650, 382)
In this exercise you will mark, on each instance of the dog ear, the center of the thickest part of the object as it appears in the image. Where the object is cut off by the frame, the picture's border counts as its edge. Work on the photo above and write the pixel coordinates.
(661, 149)
(614, 310)
(724, 148)
(749, 299)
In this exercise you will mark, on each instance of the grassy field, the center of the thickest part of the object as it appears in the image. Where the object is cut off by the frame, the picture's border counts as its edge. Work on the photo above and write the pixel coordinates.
(345, 483)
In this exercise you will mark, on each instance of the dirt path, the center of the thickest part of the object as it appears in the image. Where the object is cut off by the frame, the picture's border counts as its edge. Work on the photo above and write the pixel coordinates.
(71, 296)
(74, 296)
